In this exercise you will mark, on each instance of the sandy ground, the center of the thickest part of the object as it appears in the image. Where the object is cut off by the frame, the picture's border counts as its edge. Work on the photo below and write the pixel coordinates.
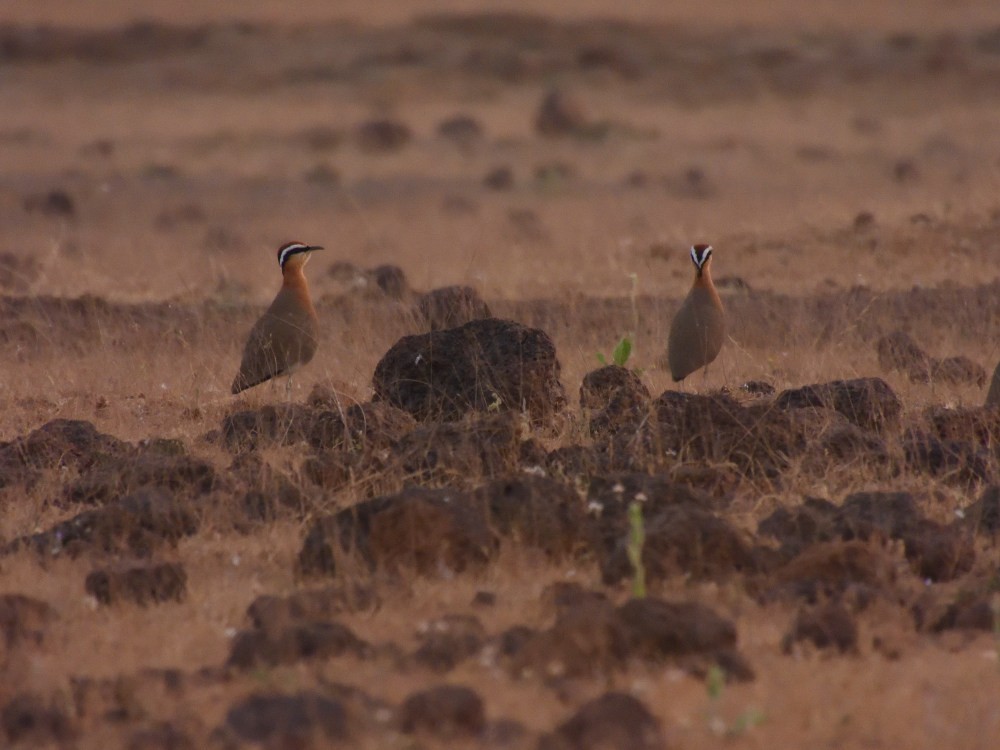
(843, 158)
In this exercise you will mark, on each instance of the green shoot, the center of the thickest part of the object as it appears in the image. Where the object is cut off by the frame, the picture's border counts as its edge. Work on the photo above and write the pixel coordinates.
(636, 539)
(622, 352)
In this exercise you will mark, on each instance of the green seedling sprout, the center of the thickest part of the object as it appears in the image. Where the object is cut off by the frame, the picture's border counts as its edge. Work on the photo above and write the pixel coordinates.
(636, 539)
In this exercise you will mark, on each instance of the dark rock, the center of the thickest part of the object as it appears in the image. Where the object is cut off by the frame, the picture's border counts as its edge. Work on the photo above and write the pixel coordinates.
(757, 388)
(277, 424)
(958, 370)
(614, 720)
(138, 523)
(586, 640)
(757, 439)
(177, 474)
(867, 402)
(898, 351)
(655, 629)
(141, 584)
(447, 712)
(847, 445)
(561, 114)
(52, 203)
(484, 599)
(391, 280)
(812, 521)
(23, 622)
(301, 641)
(276, 720)
(452, 306)
(499, 178)
(462, 130)
(160, 736)
(484, 365)
(537, 512)
(417, 528)
(951, 460)
(826, 626)
(828, 570)
(681, 540)
(617, 396)
(978, 425)
(448, 641)
(274, 613)
(61, 443)
(458, 453)
(269, 491)
(374, 425)
(29, 719)
(383, 136)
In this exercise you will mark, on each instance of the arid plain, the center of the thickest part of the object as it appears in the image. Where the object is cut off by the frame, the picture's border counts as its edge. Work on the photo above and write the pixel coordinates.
(181, 568)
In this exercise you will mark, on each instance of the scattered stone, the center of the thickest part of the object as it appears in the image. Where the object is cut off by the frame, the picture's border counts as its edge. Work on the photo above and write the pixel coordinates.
(274, 613)
(617, 397)
(954, 461)
(390, 280)
(898, 351)
(447, 712)
(140, 584)
(451, 306)
(537, 512)
(52, 203)
(139, 523)
(28, 718)
(959, 370)
(614, 720)
(382, 136)
(681, 540)
(148, 468)
(448, 641)
(23, 622)
(656, 629)
(484, 365)
(499, 178)
(279, 424)
(453, 454)
(561, 114)
(428, 530)
(758, 388)
(867, 402)
(160, 736)
(373, 425)
(301, 641)
(463, 130)
(299, 720)
(826, 626)
(61, 443)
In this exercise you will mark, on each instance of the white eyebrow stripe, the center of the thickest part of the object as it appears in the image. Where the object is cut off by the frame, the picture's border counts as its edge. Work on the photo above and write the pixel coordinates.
(289, 250)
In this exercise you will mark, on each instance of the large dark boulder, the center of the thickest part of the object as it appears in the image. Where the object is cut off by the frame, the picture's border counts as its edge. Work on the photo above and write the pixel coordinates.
(484, 365)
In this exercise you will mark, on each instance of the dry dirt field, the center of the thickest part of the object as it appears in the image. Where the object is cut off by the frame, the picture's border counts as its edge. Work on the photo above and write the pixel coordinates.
(447, 556)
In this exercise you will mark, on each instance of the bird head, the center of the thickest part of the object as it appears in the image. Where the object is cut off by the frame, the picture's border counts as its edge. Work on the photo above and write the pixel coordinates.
(701, 256)
(295, 253)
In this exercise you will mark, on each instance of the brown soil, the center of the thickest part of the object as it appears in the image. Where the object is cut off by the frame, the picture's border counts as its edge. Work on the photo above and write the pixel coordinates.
(432, 542)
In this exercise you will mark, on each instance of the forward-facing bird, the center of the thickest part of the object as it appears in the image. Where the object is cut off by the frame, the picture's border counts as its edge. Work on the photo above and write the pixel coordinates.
(286, 336)
(699, 326)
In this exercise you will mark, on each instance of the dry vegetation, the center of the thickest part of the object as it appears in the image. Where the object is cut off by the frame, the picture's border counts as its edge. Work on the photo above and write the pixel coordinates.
(180, 568)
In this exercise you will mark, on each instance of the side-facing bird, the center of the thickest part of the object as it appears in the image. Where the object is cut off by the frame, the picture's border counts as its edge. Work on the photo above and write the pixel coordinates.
(286, 336)
(699, 327)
